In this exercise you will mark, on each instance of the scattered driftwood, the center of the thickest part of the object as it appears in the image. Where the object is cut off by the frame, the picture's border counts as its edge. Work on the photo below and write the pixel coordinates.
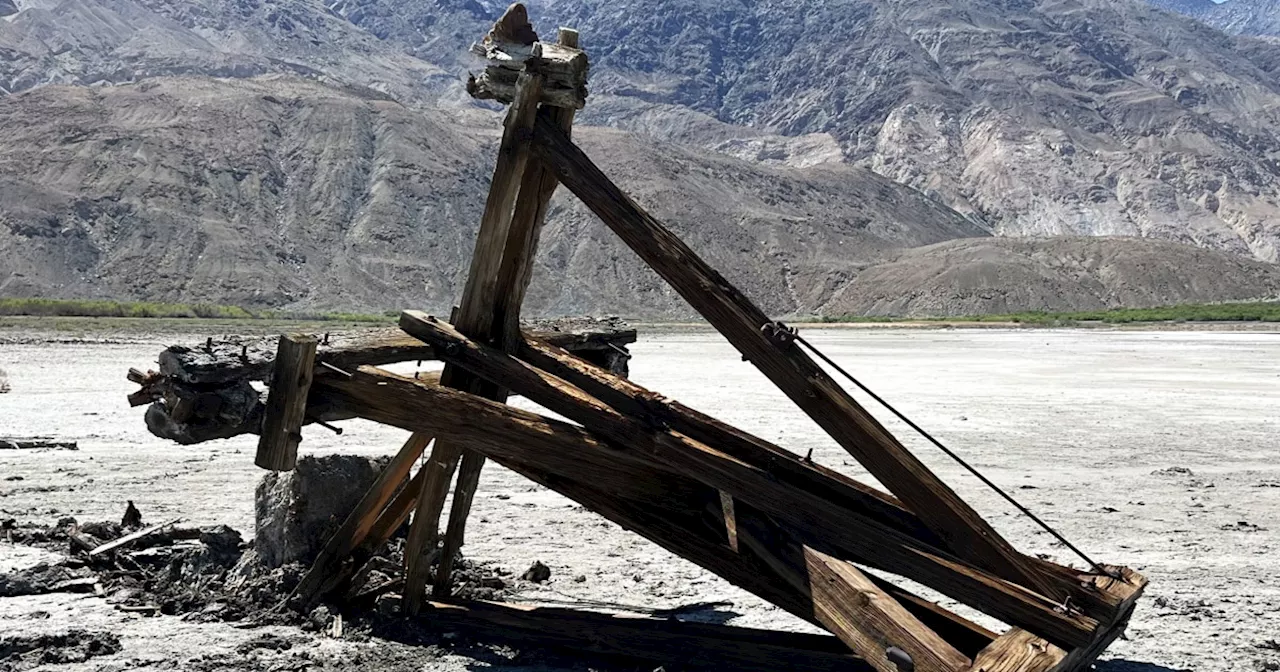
(36, 442)
(129, 539)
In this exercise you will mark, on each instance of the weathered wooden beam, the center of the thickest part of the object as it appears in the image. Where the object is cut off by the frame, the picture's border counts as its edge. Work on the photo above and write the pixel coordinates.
(861, 620)
(768, 347)
(664, 507)
(237, 359)
(658, 411)
(402, 402)
(862, 615)
(475, 318)
(356, 527)
(514, 274)
(287, 402)
(658, 641)
(1098, 596)
(822, 523)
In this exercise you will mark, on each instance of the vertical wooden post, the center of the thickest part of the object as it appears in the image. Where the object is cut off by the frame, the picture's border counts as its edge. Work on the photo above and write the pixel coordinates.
(286, 402)
(476, 319)
(536, 188)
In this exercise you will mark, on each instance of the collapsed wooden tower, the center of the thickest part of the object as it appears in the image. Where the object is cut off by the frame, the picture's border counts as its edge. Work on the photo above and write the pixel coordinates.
(791, 531)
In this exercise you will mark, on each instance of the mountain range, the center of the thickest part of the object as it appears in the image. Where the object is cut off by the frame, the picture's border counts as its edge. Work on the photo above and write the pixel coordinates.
(856, 156)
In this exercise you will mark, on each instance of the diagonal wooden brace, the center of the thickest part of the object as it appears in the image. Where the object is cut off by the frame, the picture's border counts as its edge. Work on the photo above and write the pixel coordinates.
(748, 329)
(823, 505)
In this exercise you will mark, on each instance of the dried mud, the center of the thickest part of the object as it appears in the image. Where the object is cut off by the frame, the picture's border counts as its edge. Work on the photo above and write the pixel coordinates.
(1155, 450)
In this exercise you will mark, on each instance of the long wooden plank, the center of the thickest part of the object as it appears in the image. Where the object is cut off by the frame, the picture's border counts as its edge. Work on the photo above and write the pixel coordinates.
(410, 404)
(286, 402)
(847, 602)
(475, 318)
(853, 607)
(665, 507)
(132, 537)
(823, 523)
(656, 641)
(748, 329)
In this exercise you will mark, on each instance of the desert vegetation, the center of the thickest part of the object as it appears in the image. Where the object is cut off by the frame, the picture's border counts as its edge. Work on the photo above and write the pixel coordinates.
(105, 308)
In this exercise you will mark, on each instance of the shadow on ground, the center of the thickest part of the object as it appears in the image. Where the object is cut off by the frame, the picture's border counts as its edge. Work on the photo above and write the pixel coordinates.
(1134, 666)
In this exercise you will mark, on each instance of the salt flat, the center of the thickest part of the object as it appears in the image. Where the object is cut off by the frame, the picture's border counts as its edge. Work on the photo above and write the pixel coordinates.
(1159, 450)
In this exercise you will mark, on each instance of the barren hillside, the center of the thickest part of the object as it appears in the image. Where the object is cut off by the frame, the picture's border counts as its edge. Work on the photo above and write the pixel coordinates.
(335, 162)
(289, 193)
(1007, 275)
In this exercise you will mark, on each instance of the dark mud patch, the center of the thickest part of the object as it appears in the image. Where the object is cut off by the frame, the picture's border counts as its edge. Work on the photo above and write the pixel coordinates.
(46, 578)
(22, 652)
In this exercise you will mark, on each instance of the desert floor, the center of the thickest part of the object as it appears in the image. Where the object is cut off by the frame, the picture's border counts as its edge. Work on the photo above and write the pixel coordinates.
(1159, 450)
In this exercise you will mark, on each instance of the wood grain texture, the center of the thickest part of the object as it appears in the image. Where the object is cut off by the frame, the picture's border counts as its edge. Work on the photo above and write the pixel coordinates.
(665, 507)
(513, 276)
(671, 459)
(286, 403)
(1018, 651)
(358, 523)
(745, 326)
(824, 525)
(476, 318)
(862, 615)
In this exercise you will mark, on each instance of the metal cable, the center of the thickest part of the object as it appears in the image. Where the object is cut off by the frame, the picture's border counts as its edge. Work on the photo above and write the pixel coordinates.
(959, 460)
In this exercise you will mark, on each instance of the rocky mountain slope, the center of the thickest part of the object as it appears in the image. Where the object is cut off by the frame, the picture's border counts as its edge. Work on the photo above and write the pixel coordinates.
(1239, 17)
(92, 42)
(1038, 117)
(289, 193)
(337, 163)
(1006, 275)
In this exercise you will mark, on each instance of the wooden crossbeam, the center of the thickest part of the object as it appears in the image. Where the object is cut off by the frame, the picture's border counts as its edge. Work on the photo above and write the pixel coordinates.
(664, 506)
(1098, 596)
(803, 381)
(821, 523)
(392, 400)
